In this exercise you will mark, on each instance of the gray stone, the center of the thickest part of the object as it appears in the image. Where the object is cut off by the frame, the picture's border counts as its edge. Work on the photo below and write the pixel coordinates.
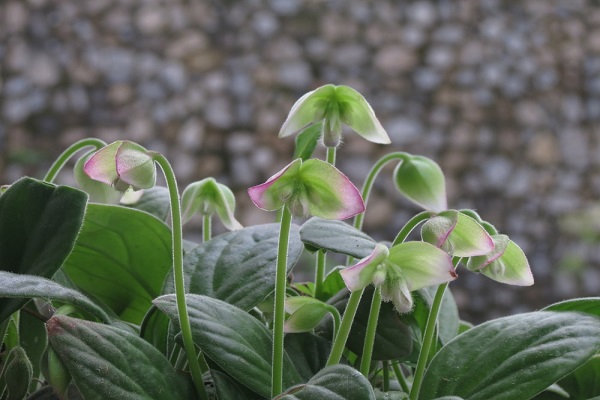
(295, 75)
(422, 12)
(265, 23)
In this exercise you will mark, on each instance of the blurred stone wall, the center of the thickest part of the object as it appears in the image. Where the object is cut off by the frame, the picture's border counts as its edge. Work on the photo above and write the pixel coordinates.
(505, 95)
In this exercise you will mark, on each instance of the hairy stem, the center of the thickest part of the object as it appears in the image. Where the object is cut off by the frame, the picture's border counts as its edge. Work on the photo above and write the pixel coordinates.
(279, 313)
(410, 225)
(342, 336)
(206, 228)
(365, 362)
(319, 274)
(184, 321)
(68, 153)
(400, 377)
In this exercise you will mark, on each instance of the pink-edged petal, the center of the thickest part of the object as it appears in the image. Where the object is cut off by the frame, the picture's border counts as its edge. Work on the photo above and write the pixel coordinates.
(274, 193)
(500, 244)
(99, 192)
(511, 268)
(422, 181)
(135, 166)
(361, 274)
(102, 166)
(331, 195)
(225, 207)
(358, 114)
(422, 264)
(437, 229)
(308, 109)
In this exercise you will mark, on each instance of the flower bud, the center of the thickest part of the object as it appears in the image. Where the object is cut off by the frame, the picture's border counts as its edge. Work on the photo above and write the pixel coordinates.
(207, 197)
(422, 181)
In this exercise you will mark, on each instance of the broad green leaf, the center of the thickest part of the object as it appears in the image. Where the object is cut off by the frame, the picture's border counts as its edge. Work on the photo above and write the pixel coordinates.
(306, 141)
(513, 357)
(337, 382)
(237, 342)
(584, 383)
(155, 330)
(393, 395)
(237, 267)
(336, 236)
(121, 258)
(393, 338)
(154, 201)
(227, 388)
(39, 222)
(308, 352)
(32, 337)
(109, 363)
(30, 286)
(588, 305)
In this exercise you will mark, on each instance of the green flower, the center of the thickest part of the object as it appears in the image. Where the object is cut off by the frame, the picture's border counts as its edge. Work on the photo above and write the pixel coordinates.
(398, 271)
(207, 197)
(334, 106)
(312, 187)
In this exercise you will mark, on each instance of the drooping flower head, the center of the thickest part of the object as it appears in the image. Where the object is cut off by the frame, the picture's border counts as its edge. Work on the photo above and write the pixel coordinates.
(398, 271)
(207, 197)
(312, 187)
(122, 164)
(98, 191)
(334, 106)
(422, 181)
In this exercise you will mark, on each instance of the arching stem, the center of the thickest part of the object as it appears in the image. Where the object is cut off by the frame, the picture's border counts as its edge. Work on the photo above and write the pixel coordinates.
(68, 153)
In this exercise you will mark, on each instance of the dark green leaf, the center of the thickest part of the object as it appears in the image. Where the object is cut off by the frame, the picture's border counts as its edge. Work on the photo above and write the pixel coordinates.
(237, 342)
(584, 383)
(308, 352)
(307, 140)
(38, 225)
(393, 338)
(109, 363)
(514, 357)
(30, 286)
(227, 388)
(588, 305)
(32, 336)
(121, 258)
(337, 382)
(394, 395)
(336, 236)
(238, 267)
(17, 374)
(154, 201)
(45, 393)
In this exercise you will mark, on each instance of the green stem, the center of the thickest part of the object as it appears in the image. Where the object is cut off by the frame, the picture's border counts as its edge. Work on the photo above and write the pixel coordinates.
(386, 375)
(368, 185)
(331, 151)
(206, 228)
(365, 362)
(279, 313)
(184, 321)
(342, 336)
(427, 341)
(410, 225)
(400, 377)
(336, 318)
(319, 274)
(68, 153)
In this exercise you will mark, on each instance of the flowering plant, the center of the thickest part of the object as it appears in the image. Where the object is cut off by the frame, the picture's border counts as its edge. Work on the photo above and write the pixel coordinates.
(101, 299)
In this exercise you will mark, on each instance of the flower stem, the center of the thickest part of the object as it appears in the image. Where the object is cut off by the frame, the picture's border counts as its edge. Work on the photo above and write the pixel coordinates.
(410, 225)
(386, 375)
(206, 228)
(184, 321)
(68, 153)
(319, 274)
(336, 318)
(427, 341)
(400, 377)
(320, 264)
(340, 339)
(365, 362)
(348, 317)
(368, 185)
(279, 313)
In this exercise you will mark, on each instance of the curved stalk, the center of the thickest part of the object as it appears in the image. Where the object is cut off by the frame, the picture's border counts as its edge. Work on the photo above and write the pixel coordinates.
(365, 362)
(342, 336)
(279, 313)
(206, 228)
(410, 225)
(177, 235)
(68, 153)
(336, 318)
(400, 377)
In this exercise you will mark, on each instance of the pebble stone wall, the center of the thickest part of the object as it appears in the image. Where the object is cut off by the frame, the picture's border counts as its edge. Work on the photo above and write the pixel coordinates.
(505, 95)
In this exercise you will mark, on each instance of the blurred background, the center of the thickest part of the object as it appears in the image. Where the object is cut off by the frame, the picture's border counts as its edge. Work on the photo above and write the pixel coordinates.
(504, 95)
